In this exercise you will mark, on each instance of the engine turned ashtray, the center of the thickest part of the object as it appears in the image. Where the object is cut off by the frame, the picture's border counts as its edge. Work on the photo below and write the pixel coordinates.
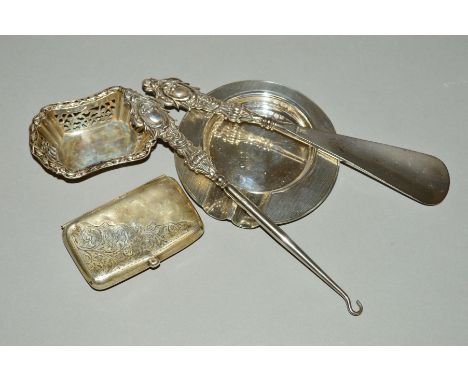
(285, 178)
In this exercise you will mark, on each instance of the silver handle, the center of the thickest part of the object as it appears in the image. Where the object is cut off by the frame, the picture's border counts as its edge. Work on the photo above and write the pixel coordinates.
(419, 176)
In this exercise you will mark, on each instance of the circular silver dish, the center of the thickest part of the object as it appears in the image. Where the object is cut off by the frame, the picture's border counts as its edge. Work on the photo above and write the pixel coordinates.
(285, 178)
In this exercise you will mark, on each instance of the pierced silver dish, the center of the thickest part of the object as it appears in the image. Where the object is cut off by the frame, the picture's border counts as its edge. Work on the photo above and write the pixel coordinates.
(78, 138)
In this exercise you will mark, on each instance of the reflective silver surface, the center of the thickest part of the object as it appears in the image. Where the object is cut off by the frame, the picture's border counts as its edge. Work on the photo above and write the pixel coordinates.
(284, 178)
(419, 176)
(87, 147)
(249, 156)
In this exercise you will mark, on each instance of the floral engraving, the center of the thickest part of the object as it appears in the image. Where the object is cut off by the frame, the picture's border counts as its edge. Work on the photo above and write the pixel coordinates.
(109, 247)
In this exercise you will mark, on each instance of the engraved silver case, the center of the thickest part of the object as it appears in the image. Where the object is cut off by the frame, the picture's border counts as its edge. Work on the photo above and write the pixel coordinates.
(132, 233)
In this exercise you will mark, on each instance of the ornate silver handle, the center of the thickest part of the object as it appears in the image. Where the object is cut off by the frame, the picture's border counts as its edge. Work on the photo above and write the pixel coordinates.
(419, 176)
(148, 113)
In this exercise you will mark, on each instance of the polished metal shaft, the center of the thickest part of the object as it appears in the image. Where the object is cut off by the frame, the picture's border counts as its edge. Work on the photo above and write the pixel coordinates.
(286, 242)
(419, 176)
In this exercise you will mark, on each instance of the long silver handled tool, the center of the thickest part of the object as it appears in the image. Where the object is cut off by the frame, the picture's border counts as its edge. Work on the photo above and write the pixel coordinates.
(419, 176)
(148, 113)
(287, 243)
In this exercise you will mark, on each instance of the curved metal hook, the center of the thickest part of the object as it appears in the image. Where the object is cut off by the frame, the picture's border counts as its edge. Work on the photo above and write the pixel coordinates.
(350, 307)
